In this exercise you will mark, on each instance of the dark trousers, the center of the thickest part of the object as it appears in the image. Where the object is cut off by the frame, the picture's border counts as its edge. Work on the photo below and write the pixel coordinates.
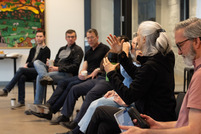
(98, 90)
(103, 121)
(58, 97)
(79, 90)
(22, 75)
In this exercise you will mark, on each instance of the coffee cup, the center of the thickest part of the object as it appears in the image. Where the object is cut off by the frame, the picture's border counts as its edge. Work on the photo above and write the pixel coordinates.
(84, 73)
(51, 63)
(13, 102)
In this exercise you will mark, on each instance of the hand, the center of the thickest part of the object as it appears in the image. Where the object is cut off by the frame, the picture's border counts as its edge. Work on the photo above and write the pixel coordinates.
(109, 94)
(47, 62)
(119, 100)
(132, 130)
(53, 68)
(81, 77)
(115, 44)
(152, 123)
(25, 66)
(126, 47)
(94, 73)
(108, 66)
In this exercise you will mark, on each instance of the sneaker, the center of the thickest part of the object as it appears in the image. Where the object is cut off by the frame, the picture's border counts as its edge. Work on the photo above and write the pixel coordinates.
(27, 112)
(46, 80)
(59, 119)
(70, 124)
(3, 92)
(18, 105)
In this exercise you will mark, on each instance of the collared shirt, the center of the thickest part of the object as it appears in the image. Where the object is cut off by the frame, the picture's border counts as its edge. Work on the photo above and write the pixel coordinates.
(192, 98)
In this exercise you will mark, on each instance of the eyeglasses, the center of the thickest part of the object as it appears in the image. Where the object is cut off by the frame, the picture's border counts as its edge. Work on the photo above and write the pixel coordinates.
(70, 37)
(178, 44)
(91, 37)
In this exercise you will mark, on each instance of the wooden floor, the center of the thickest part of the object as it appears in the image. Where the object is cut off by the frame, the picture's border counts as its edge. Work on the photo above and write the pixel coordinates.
(16, 122)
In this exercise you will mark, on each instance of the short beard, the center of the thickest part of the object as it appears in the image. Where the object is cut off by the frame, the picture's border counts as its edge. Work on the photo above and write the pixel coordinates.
(189, 58)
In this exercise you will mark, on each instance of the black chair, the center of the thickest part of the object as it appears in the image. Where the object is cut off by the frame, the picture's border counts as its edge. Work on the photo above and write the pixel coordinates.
(45, 92)
(179, 100)
(188, 73)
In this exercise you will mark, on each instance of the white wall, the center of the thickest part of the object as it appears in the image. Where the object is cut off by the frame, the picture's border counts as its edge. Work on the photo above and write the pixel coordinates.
(102, 18)
(60, 16)
(198, 12)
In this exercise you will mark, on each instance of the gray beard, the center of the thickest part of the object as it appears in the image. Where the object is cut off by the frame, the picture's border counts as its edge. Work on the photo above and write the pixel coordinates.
(189, 58)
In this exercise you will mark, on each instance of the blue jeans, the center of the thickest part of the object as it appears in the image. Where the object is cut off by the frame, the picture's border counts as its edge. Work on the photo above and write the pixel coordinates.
(22, 75)
(84, 122)
(41, 69)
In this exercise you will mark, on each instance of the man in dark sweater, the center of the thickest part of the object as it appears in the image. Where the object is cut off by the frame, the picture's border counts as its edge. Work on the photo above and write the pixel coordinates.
(40, 52)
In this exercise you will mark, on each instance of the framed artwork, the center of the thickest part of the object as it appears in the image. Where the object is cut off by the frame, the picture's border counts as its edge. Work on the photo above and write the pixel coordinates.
(19, 21)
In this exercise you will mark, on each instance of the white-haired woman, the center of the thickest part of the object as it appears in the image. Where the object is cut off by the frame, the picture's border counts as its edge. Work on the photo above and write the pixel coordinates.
(152, 88)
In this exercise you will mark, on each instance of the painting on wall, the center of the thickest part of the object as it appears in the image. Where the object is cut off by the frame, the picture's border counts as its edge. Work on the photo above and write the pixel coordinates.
(19, 21)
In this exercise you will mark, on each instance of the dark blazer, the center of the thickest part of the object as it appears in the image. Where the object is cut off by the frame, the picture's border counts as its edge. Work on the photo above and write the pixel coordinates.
(152, 88)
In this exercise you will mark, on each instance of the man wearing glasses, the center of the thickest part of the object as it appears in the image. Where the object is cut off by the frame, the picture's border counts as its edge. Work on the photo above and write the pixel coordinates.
(66, 65)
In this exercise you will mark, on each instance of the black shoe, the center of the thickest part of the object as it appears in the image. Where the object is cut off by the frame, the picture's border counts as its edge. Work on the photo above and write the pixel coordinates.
(42, 115)
(70, 124)
(3, 92)
(46, 80)
(59, 119)
(69, 132)
(27, 112)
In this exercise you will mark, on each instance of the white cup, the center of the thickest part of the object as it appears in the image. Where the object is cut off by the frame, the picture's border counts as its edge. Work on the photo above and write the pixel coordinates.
(84, 73)
(51, 63)
(13, 102)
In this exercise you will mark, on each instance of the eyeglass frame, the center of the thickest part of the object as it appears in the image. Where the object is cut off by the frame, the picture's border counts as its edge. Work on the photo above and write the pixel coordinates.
(179, 46)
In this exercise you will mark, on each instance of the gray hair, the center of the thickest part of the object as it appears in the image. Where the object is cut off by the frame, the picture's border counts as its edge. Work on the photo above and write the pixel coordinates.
(156, 38)
(191, 26)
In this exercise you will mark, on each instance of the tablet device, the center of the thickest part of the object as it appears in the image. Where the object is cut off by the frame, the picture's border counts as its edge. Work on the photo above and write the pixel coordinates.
(122, 117)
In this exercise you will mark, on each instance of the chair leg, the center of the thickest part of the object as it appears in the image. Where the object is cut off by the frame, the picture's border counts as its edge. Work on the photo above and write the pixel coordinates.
(44, 95)
(34, 86)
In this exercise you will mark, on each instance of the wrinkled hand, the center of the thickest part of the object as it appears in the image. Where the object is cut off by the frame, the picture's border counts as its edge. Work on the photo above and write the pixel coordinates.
(109, 94)
(126, 48)
(119, 100)
(115, 44)
(108, 66)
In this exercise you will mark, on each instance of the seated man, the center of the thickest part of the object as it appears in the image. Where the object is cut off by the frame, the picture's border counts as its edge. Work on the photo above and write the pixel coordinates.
(66, 65)
(109, 99)
(188, 41)
(91, 64)
(152, 88)
(94, 94)
(40, 52)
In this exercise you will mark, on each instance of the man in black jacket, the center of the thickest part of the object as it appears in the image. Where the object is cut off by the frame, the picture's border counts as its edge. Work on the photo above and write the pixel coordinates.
(40, 52)
(66, 65)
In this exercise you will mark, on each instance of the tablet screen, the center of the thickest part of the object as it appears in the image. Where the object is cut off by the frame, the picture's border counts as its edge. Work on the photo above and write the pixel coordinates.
(122, 117)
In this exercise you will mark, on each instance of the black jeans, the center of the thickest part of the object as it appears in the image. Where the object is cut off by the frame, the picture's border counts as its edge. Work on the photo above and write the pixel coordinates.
(103, 121)
(58, 97)
(22, 75)
(96, 87)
